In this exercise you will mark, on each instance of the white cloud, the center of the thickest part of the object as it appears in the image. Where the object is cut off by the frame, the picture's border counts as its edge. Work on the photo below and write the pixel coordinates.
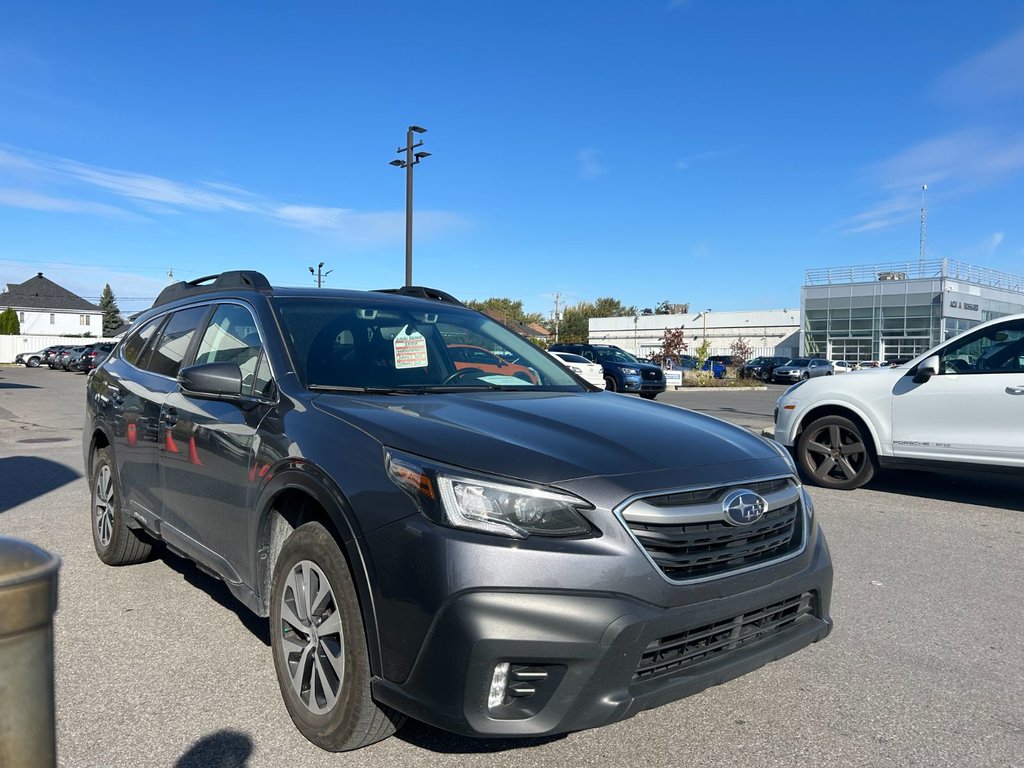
(21, 198)
(954, 164)
(987, 247)
(994, 76)
(686, 162)
(590, 164)
(700, 250)
(162, 197)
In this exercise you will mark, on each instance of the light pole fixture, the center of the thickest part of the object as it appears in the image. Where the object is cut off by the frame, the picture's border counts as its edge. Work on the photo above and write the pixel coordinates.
(319, 274)
(411, 159)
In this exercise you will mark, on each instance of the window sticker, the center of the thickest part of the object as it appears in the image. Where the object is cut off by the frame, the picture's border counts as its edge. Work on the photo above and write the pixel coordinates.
(410, 350)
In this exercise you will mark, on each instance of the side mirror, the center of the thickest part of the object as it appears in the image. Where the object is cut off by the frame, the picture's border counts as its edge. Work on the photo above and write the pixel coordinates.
(926, 369)
(217, 380)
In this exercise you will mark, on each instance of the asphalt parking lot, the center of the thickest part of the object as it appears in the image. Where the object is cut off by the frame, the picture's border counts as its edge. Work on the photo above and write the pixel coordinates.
(157, 666)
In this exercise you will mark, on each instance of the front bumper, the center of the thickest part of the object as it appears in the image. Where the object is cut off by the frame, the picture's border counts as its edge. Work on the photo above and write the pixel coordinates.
(584, 659)
(787, 376)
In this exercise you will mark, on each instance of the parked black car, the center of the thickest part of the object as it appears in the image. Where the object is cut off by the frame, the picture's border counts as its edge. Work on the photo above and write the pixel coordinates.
(622, 371)
(92, 360)
(494, 556)
(84, 360)
(71, 353)
(761, 367)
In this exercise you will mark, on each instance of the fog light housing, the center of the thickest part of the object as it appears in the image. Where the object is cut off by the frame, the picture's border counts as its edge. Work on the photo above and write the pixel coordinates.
(499, 683)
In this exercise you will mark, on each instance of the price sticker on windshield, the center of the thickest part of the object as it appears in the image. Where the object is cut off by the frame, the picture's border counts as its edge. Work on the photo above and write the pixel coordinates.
(410, 350)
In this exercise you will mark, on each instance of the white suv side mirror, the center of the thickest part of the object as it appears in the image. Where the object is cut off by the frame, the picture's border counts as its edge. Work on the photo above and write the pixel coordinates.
(926, 369)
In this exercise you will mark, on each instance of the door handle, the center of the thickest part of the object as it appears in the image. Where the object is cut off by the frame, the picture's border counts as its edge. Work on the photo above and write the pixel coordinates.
(1015, 390)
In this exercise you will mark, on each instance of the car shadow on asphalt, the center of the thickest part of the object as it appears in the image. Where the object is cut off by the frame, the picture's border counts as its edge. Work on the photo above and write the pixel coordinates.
(9, 385)
(436, 740)
(217, 590)
(24, 478)
(221, 749)
(987, 489)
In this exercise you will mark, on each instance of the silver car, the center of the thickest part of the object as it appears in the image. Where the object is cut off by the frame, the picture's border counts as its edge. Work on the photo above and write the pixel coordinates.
(801, 369)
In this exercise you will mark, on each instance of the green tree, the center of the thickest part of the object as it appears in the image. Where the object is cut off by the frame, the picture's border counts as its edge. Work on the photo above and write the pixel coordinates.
(9, 325)
(609, 307)
(512, 309)
(575, 323)
(111, 314)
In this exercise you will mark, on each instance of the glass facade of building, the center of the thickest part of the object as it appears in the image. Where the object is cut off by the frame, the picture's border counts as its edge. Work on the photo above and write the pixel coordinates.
(897, 311)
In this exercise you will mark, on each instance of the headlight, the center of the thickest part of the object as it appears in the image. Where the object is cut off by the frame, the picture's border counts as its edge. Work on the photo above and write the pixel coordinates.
(631, 371)
(808, 504)
(786, 455)
(486, 504)
(578, 371)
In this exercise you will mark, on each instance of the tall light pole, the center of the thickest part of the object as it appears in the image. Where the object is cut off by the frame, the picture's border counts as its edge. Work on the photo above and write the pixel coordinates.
(411, 159)
(320, 274)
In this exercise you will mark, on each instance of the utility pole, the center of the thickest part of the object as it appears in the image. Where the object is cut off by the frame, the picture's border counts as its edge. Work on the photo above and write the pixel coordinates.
(557, 315)
(411, 159)
(320, 274)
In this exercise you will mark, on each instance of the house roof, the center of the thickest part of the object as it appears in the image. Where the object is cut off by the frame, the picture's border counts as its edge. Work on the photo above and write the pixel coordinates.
(41, 293)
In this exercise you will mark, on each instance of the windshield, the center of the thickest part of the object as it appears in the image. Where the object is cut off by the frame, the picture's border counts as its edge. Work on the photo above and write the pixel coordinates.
(611, 355)
(385, 346)
(799, 362)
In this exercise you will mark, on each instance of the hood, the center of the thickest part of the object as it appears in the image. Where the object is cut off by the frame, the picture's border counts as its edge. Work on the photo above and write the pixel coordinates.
(638, 366)
(550, 437)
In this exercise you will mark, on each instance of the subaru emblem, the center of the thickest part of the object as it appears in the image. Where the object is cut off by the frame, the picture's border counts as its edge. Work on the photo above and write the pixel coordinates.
(743, 507)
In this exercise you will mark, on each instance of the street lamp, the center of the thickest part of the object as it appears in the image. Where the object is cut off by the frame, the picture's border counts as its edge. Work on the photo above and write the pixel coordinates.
(319, 274)
(411, 158)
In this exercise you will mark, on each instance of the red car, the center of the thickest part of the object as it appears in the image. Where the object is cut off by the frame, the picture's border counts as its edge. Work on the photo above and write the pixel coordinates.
(468, 356)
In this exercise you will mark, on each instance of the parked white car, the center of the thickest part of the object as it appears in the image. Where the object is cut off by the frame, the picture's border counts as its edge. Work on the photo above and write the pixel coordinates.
(961, 404)
(590, 371)
(841, 366)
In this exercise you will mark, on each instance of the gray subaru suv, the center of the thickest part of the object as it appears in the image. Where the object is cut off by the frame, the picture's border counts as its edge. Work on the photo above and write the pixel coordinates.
(492, 555)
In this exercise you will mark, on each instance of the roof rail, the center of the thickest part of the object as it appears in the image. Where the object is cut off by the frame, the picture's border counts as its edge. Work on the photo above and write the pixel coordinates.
(243, 278)
(422, 292)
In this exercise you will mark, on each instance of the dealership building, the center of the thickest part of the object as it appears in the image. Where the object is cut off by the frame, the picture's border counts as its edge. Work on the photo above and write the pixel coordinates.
(859, 313)
(897, 311)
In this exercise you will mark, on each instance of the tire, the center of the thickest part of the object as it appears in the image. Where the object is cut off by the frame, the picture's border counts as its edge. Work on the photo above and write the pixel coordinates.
(33, 362)
(325, 655)
(834, 453)
(610, 385)
(648, 395)
(805, 376)
(115, 542)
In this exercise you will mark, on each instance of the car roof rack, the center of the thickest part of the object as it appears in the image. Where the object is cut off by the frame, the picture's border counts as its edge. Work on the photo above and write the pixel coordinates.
(422, 292)
(243, 278)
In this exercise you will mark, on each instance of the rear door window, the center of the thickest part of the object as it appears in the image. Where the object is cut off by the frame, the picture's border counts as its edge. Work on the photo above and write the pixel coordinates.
(175, 338)
(136, 345)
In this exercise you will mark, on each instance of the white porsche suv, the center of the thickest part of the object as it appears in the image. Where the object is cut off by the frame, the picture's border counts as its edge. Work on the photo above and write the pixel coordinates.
(961, 404)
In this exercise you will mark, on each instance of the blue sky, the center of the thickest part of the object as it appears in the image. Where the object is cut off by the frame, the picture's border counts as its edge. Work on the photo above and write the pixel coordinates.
(693, 151)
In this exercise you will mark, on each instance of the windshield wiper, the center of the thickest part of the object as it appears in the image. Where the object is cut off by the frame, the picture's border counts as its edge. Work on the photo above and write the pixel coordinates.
(362, 390)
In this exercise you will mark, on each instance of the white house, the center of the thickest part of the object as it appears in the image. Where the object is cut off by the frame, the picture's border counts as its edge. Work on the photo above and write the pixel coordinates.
(46, 309)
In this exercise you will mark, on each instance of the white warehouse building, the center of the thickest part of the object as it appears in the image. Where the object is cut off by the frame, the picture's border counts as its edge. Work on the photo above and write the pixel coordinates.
(766, 331)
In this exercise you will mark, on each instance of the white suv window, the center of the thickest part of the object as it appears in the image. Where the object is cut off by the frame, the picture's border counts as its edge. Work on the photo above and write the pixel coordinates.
(997, 349)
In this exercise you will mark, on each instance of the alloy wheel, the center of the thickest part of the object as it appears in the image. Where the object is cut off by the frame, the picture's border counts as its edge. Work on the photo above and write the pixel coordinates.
(836, 453)
(311, 637)
(103, 506)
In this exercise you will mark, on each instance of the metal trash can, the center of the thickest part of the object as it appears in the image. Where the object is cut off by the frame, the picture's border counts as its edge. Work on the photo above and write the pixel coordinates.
(28, 599)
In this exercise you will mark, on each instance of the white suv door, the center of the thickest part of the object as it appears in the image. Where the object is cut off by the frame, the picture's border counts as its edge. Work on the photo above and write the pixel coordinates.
(972, 410)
